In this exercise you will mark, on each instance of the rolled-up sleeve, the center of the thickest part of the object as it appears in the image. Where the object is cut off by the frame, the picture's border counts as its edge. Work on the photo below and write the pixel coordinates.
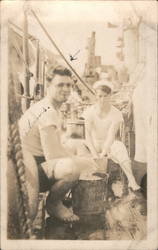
(48, 125)
(48, 118)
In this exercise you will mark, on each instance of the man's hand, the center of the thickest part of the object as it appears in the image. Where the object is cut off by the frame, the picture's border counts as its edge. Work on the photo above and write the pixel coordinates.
(103, 155)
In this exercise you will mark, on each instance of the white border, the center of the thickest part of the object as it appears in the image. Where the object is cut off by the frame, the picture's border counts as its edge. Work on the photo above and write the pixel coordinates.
(152, 240)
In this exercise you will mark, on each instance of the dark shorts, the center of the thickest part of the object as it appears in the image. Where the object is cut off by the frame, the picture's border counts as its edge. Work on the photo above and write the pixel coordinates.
(44, 182)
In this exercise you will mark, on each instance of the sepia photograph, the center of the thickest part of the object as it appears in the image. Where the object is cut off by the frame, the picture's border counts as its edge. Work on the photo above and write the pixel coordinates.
(79, 125)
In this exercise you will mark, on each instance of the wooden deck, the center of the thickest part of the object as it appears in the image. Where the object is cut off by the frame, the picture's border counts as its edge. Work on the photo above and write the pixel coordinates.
(125, 217)
(125, 220)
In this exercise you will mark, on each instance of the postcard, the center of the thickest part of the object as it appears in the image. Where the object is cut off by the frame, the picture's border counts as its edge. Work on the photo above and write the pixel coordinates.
(79, 125)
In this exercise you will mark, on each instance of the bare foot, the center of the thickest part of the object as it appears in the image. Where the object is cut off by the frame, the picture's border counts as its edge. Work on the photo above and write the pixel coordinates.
(61, 212)
(134, 186)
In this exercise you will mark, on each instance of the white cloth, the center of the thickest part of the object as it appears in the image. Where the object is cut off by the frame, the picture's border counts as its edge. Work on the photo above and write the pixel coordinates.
(140, 122)
(145, 100)
(39, 115)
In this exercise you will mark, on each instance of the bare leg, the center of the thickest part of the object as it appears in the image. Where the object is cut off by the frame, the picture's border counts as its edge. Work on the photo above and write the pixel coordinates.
(126, 167)
(118, 153)
(66, 172)
(54, 203)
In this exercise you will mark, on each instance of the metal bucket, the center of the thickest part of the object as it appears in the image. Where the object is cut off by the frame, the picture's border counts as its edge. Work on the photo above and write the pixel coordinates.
(75, 128)
(88, 196)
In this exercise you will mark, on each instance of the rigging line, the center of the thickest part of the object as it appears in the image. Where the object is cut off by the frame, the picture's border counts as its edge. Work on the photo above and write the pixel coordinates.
(19, 29)
(21, 56)
(15, 45)
(20, 53)
(76, 53)
(31, 38)
(54, 44)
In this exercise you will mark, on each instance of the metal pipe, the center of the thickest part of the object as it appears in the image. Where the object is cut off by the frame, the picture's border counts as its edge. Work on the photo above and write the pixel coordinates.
(26, 58)
(43, 77)
(37, 61)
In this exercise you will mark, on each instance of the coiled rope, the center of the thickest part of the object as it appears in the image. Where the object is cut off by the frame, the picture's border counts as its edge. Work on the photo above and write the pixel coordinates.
(15, 153)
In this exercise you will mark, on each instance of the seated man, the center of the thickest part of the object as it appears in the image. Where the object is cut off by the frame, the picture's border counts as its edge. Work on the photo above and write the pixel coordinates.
(102, 121)
(40, 131)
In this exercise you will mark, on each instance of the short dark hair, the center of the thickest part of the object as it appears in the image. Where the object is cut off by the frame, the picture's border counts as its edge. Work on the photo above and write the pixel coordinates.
(105, 89)
(59, 70)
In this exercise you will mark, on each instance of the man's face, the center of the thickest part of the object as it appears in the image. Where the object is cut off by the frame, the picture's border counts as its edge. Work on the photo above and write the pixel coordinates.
(60, 88)
(102, 97)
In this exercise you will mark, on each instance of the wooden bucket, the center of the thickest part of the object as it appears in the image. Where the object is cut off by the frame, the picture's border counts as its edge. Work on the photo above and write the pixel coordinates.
(88, 196)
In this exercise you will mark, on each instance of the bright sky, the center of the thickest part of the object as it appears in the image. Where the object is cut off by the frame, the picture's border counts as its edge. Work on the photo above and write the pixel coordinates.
(70, 23)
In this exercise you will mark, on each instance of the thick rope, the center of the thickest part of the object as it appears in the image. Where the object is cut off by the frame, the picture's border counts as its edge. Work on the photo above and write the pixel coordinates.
(17, 156)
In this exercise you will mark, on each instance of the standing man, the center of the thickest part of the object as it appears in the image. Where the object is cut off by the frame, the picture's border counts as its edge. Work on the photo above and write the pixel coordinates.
(102, 122)
(40, 131)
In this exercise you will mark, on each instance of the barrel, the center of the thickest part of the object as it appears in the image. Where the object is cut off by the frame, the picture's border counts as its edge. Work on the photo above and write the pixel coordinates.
(88, 196)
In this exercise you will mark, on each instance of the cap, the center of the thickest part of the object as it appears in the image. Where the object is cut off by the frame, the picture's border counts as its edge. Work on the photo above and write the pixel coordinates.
(103, 82)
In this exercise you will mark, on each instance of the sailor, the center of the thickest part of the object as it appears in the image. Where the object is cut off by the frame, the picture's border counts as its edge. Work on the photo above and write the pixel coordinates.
(40, 130)
(102, 122)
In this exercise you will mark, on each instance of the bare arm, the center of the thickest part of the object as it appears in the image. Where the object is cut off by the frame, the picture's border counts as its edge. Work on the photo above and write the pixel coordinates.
(89, 139)
(51, 144)
(110, 138)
